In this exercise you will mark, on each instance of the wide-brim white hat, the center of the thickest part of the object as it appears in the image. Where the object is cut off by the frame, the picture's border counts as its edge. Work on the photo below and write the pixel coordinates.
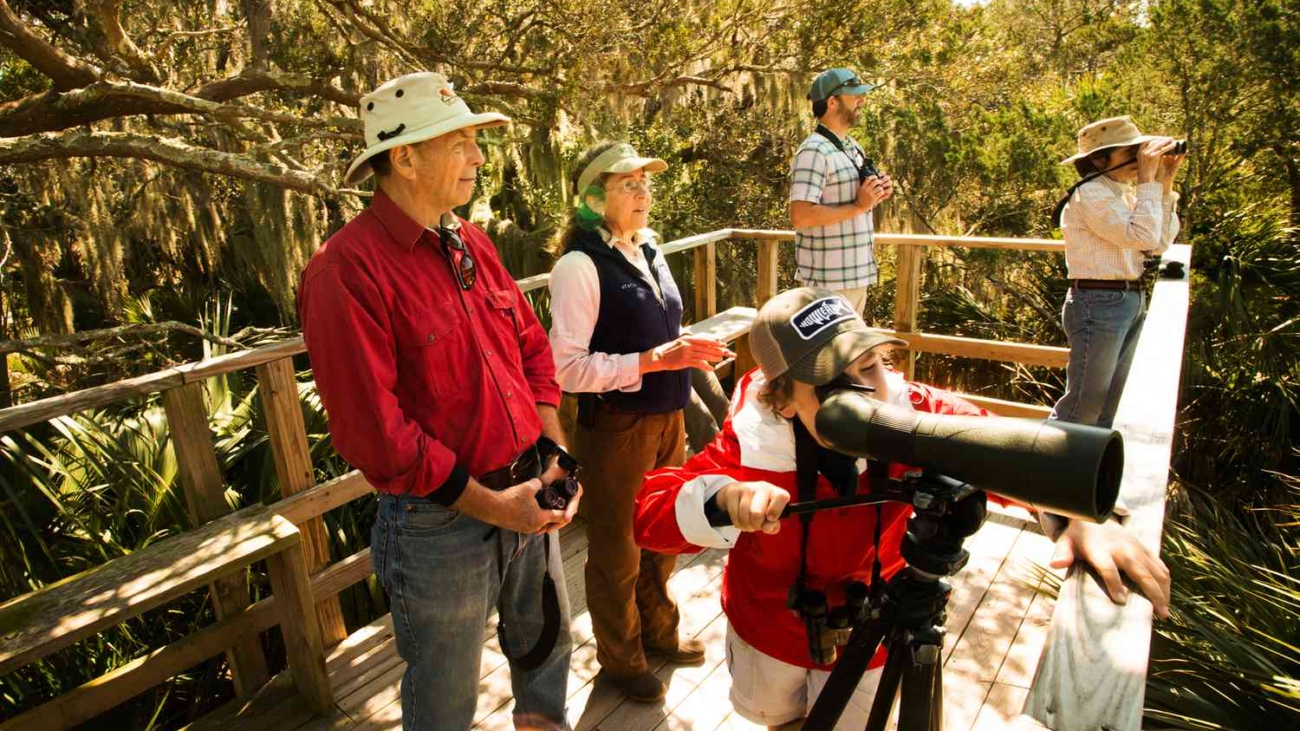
(410, 109)
(1105, 134)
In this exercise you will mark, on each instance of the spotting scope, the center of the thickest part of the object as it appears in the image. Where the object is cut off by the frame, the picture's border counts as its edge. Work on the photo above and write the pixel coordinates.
(1054, 466)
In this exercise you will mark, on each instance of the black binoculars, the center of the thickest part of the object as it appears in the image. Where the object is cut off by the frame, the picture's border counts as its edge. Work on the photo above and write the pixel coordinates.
(828, 627)
(1180, 148)
(556, 496)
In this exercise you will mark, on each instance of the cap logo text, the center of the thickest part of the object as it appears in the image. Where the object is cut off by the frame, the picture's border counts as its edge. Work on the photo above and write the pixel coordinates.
(820, 315)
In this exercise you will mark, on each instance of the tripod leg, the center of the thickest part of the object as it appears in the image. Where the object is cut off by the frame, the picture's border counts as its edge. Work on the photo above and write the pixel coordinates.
(936, 703)
(883, 704)
(916, 706)
(844, 679)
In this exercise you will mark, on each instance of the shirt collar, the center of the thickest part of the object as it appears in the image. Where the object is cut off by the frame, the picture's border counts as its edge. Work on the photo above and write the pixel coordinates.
(404, 230)
(638, 238)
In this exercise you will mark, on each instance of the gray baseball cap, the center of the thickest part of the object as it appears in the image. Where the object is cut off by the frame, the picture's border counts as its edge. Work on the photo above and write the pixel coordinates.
(812, 334)
(837, 81)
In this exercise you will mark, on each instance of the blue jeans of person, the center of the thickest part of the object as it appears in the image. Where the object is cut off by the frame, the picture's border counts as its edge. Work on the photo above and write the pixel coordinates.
(1103, 326)
(443, 581)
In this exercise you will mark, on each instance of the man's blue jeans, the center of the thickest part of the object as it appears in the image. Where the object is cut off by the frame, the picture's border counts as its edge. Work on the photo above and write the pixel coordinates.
(443, 580)
(1103, 326)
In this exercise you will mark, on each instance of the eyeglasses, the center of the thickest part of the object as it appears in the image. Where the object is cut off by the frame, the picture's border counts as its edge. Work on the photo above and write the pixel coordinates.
(632, 187)
(462, 264)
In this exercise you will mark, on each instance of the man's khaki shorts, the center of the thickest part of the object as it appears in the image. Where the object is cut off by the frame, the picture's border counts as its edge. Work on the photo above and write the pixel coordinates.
(770, 692)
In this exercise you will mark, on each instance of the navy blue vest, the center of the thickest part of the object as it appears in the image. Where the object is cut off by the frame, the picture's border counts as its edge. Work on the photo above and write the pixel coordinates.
(633, 320)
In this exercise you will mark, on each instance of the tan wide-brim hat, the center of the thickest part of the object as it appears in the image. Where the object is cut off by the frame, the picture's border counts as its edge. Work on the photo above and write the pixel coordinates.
(811, 334)
(619, 159)
(1105, 134)
(410, 109)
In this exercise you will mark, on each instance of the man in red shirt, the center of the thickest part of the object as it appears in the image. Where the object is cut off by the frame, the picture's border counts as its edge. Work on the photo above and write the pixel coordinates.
(440, 387)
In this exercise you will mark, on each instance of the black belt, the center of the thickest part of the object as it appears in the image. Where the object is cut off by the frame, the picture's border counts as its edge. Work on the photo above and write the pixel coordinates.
(1124, 284)
(525, 467)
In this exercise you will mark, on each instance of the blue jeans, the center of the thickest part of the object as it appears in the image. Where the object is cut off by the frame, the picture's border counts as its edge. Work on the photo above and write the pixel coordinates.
(1103, 326)
(443, 581)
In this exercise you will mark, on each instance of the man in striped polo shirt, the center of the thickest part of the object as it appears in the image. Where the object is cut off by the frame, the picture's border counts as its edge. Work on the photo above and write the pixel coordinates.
(833, 187)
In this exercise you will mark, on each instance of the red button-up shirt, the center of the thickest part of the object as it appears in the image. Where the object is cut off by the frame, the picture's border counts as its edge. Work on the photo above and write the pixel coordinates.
(417, 375)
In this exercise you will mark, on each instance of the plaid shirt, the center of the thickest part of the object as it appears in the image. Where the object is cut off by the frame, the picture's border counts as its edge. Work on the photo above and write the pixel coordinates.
(840, 256)
(1109, 227)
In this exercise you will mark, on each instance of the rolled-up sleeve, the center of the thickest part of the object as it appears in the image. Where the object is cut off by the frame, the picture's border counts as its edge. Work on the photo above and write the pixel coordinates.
(349, 339)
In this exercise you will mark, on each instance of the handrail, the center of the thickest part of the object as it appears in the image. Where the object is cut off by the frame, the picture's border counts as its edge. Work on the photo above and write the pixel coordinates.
(1087, 679)
(22, 415)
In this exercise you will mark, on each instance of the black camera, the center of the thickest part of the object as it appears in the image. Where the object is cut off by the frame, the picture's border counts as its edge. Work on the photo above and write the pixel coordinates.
(1180, 148)
(868, 170)
(556, 496)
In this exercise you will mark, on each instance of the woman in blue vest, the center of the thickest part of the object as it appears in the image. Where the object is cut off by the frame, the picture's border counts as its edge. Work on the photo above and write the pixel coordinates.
(616, 335)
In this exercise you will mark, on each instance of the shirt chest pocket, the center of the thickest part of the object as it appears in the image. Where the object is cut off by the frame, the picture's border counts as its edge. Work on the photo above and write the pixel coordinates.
(506, 328)
(431, 342)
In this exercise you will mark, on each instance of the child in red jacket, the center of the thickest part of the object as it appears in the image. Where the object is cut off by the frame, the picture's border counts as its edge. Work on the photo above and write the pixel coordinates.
(805, 338)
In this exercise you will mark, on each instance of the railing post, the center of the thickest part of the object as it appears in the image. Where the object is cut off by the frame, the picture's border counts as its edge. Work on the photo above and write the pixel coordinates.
(204, 488)
(706, 281)
(288, 433)
(767, 270)
(302, 644)
(907, 301)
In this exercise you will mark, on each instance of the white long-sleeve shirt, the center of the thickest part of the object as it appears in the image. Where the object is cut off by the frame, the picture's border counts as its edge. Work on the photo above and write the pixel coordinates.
(575, 306)
(1108, 229)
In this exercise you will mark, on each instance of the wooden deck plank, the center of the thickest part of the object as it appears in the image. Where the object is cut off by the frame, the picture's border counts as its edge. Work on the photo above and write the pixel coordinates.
(366, 670)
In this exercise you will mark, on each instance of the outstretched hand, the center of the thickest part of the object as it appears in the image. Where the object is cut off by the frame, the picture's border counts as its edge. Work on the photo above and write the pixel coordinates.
(1112, 549)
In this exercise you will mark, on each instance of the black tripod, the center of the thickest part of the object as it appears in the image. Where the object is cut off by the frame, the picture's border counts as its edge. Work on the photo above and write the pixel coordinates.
(909, 612)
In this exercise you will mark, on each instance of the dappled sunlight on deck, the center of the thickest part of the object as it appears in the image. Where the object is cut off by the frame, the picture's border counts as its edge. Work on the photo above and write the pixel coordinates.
(997, 626)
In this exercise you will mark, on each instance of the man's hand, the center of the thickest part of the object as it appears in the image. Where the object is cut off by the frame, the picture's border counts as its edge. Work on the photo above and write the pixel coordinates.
(754, 505)
(514, 508)
(888, 182)
(1112, 549)
(872, 191)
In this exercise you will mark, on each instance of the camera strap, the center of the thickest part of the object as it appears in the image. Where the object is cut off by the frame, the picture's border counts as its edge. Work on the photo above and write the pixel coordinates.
(839, 145)
(533, 658)
(805, 465)
(1060, 205)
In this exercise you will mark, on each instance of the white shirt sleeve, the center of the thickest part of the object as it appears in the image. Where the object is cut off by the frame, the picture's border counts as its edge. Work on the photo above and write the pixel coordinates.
(691, 522)
(1169, 232)
(1108, 216)
(575, 305)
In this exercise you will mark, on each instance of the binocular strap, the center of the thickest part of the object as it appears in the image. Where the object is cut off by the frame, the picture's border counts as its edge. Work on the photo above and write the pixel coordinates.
(534, 658)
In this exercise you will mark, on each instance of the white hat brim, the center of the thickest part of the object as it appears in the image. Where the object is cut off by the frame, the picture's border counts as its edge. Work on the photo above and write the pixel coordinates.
(632, 164)
(360, 168)
(1135, 141)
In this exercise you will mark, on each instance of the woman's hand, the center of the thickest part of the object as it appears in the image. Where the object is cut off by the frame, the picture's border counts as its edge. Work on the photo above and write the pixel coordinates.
(754, 505)
(687, 351)
(1150, 158)
(1110, 548)
(1168, 169)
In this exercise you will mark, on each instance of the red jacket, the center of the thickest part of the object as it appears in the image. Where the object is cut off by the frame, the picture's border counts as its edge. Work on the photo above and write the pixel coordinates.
(754, 445)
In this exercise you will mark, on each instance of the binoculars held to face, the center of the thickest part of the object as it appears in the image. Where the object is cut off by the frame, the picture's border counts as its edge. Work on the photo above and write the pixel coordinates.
(1180, 148)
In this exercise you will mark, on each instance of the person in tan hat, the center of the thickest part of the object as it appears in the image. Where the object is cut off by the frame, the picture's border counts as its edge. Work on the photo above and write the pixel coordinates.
(440, 387)
(1110, 227)
(616, 333)
(805, 338)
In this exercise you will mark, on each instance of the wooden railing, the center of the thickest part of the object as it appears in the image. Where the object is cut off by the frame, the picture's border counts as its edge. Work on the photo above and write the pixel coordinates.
(1067, 667)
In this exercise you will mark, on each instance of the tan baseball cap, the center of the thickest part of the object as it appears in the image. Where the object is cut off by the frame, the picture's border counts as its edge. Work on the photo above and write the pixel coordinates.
(812, 334)
(621, 158)
(1107, 133)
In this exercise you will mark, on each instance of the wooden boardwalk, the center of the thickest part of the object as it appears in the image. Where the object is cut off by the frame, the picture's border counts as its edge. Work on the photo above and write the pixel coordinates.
(997, 626)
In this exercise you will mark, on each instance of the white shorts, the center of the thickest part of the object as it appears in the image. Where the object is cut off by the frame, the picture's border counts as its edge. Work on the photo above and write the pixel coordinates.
(770, 692)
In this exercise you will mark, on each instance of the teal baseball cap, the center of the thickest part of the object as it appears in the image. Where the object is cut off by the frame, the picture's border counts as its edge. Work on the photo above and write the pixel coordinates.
(838, 81)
